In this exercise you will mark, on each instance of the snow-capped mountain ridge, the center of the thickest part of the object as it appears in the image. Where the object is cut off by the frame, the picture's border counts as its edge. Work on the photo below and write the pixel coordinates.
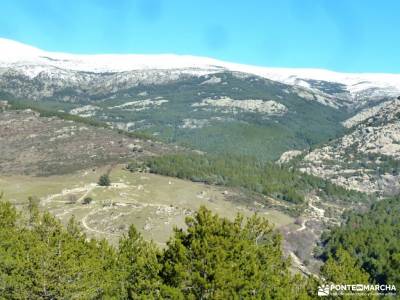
(15, 52)
(31, 62)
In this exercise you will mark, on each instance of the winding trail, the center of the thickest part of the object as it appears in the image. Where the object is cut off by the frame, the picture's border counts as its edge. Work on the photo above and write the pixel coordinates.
(319, 211)
(299, 264)
(87, 227)
(303, 226)
(86, 189)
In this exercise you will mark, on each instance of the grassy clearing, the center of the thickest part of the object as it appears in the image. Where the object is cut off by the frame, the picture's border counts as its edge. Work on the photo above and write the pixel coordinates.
(153, 203)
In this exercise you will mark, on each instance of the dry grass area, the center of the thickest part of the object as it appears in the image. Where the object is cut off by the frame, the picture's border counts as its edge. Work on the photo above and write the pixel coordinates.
(60, 161)
(153, 203)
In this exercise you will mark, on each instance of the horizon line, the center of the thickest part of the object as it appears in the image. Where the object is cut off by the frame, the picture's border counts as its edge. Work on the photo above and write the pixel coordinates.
(188, 55)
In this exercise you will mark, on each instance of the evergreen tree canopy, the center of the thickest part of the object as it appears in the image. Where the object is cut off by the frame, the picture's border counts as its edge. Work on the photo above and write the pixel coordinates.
(271, 179)
(220, 259)
(39, 259)
(104, 180)
(213, 259)
(372, 239)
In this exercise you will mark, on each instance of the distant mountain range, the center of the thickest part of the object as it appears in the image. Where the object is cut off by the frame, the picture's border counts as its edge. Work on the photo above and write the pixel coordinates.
(203, 103)
(350, 89)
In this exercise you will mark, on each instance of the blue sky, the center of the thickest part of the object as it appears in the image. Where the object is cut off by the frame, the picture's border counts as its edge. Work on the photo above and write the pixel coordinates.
(342, 35)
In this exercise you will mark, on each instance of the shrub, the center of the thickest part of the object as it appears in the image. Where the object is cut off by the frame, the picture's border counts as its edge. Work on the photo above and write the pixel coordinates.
(87, 200)
(104, 180)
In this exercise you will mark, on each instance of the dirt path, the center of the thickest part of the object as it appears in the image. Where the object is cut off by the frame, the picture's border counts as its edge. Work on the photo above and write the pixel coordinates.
(319, 211)
(303, 226)
(297, 263)
(313, 212)
(87, 227)
(86, 189)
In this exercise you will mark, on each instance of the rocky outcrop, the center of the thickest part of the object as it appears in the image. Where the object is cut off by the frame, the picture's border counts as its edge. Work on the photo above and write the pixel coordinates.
(226, 104)
(368, 158)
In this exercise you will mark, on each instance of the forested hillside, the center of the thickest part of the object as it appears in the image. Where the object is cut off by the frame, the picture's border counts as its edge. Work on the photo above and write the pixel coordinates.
(373, 238)
(231, 112)
(213, 259)
(269, 179)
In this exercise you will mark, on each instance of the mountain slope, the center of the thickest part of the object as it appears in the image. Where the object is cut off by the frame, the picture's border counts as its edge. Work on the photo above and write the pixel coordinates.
(241, 114)
(204, 103)
(31, 62)
(36, 145)
(367, 158)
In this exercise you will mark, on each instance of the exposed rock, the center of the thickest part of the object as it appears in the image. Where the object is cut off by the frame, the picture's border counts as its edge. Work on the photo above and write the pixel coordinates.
(384, 111)
(84, 111)
(227, 104)
(289, 155)
(139, 105)
(359, 160)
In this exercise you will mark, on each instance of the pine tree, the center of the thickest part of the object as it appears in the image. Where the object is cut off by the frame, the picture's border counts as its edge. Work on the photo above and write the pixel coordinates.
(342, 269)
(220, 259)
(104, 180)
(139, 263)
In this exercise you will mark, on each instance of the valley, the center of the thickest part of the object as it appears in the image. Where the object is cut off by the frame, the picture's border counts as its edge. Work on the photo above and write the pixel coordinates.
(303, 148)
(51, 168)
